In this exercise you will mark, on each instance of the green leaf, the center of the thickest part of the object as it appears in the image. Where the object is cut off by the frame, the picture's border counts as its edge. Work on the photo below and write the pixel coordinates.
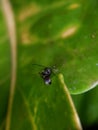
(44, 107)
(61, 33)
(32, 105)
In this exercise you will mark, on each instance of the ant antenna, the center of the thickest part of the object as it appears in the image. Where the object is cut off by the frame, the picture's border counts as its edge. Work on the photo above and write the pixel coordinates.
(39, 65)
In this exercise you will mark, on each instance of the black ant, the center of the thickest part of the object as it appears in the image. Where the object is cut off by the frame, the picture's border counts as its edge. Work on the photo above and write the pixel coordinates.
(46, 73)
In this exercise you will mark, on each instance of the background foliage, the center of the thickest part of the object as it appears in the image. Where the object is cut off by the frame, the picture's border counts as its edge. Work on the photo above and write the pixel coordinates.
(61, 33)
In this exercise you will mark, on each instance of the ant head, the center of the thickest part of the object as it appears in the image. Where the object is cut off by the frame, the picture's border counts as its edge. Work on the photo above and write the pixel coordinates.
(47, 71)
